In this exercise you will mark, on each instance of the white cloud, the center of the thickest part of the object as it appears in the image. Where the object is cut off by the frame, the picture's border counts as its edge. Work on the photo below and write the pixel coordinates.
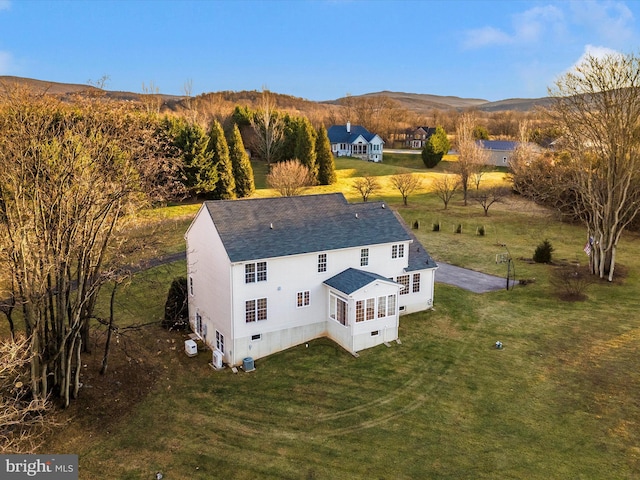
(589, 51)
(532, 25)
(484, 37)
(612, 21)
(593, 51)
(5, 5)
(527, 27)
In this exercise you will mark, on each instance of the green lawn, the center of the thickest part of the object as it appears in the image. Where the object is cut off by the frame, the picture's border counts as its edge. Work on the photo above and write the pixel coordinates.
(560, 400)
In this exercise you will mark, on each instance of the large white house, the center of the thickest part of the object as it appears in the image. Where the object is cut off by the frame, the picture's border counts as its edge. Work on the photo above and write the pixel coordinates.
(355, 141)
(270, 273)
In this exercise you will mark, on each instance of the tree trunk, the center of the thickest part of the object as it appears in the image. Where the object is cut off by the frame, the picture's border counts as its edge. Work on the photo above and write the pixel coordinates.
(107, 345)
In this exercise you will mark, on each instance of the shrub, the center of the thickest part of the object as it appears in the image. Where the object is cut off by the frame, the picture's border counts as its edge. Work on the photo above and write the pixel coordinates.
(176, 309)
(543, 252)
(459, 228)
(416, 225)
(480, 231)
(571, 282)
(436, 227)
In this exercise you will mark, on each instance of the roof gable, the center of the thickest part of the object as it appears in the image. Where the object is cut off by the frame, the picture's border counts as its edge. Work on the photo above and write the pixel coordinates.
(352, 280)
(339, 133)
(259, 228)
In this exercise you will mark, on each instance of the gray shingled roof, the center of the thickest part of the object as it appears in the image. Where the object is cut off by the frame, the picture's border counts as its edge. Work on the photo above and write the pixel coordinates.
(501, 145)
(352, 279)
(339, 134)
(419, 258)
(258, 228)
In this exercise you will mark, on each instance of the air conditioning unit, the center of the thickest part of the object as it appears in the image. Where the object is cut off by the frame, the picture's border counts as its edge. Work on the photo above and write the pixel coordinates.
(217, 359)
(190, 348)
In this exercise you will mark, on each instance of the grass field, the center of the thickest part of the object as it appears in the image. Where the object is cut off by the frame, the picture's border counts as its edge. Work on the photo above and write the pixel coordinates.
(560, 400)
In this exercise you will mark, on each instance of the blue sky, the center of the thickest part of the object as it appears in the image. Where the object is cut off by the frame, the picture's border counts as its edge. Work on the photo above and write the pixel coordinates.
(319, 50)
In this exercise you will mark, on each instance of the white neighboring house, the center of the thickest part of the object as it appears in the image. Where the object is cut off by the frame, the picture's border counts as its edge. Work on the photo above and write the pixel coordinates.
(267, 274)
(355, 141)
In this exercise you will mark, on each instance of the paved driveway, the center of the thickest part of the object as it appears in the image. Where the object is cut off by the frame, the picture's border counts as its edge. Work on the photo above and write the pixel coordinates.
(469, 279)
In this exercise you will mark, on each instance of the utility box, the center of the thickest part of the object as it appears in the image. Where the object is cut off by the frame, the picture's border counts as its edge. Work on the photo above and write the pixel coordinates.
(190, 348)
(248, 365)
(217, 360)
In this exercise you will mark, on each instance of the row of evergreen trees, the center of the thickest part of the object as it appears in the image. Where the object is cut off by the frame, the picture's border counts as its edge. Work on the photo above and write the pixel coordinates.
(294, 138)
(215, 163)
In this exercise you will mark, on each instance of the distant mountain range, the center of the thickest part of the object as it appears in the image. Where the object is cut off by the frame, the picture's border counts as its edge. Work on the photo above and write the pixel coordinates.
(421, 102)
(416, 102)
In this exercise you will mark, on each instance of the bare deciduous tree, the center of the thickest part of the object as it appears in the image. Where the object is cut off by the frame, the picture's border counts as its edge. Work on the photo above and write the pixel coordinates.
(268, 127)
(151, 98)
(406, 184)
(187, 89)
(471, 156)
(488, 196)
(445, 188)
(23, 419)
(366, 186)
(289, 178)
(69, 178)
(598, 108)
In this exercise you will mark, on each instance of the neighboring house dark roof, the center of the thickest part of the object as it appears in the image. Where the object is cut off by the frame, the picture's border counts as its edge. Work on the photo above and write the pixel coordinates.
(428, 130)
(339, 134)
(259, 228)
(501, 145)
(352, 279)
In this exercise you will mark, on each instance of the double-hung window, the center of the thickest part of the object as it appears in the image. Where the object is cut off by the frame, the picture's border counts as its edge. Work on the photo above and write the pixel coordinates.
(364, 257)
(219, 341)
(255, 272)
(322, 262)
(397, 251)
(382, 307)
(404, 281)
(303, 298)
(255, 310)
(416, 282)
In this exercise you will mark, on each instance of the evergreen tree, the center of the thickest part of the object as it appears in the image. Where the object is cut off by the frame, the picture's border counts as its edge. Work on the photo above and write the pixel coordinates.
(242, 116)
(306, 145)
(324, 158)
(435, 148)
(480, 133)
(225, 186)
(287, 149)
(240, 164)
(176, 308)
(189, 141)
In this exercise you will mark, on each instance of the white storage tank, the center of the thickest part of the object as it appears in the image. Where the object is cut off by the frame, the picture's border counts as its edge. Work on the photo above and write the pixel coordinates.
(190, 348)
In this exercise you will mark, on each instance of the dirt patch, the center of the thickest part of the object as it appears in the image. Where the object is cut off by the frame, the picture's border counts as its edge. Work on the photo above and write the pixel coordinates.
(137, 362)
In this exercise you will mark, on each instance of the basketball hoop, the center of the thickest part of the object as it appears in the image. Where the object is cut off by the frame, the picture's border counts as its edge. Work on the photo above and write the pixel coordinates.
(502, 257)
